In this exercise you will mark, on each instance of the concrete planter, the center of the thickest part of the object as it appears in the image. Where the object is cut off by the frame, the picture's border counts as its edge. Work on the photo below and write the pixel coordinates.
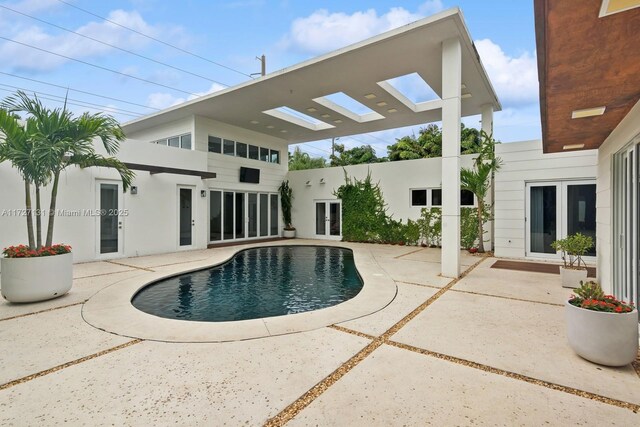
(609, 339)
(289, 234)
(36, 279)
(572, 278)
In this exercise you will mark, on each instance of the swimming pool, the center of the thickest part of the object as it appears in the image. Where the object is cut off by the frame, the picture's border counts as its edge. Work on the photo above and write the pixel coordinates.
(256, 283)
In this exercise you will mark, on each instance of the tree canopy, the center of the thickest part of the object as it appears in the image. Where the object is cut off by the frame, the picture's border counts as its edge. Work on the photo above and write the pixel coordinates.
(428, 143)
(298, 160)
(354, 156)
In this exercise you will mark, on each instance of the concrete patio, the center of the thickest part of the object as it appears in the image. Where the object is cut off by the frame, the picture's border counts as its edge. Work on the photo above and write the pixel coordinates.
(488, 349)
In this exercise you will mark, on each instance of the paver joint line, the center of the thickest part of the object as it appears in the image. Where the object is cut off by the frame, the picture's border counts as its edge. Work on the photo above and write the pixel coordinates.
(122, 264)
(352, 332)
(509, 298)
(577, 392)
(67, 364)
(288, 413)
(42, 311)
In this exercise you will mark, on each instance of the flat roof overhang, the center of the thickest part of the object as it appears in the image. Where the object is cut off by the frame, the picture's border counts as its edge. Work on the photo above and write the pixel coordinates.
(585, 62)
(357, 70)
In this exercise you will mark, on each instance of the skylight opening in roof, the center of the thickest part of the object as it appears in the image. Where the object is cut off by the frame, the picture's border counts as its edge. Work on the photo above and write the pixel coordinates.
(414, 88)
(345, 101)
(297, 118)
(300, 115)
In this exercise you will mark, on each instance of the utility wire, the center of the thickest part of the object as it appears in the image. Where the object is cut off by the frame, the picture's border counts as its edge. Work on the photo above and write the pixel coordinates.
(62, 101)
(111, 45)
(91, 104)
(154, 39)
(98, 66)
(78, 90)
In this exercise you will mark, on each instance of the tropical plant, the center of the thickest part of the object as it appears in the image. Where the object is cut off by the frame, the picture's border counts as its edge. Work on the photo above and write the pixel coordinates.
(354, 156)
(478, 179)
(430, 226)
(22, 251)
(299, 160)
(50, 141)
(286, 202)
(573, 248)
(428, 143)
(591, 297)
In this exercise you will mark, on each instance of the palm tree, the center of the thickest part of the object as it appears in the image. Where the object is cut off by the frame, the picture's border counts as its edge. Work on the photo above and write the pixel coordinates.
(300, 161)
(58, 140)
(478, 179)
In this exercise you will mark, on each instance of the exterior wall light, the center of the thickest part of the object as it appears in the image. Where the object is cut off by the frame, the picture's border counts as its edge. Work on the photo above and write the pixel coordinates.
(322, 181)
(308, 183)
(203, 193)
(134, 189)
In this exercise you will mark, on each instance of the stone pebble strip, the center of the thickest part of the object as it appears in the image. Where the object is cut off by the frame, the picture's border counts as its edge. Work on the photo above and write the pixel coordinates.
(42, 311)
(288, 413)
(307, 398)
(67, 364)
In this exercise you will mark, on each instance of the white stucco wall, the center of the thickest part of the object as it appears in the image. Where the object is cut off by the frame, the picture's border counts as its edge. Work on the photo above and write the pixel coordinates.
(151, 225)
(396, 180)
(618, 139)
(525, 162)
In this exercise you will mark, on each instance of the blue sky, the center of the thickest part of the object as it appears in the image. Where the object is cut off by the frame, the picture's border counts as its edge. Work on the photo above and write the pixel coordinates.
(233, 33)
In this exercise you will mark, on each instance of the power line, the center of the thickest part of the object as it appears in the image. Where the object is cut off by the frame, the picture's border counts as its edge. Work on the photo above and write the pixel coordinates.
(111, 45)
(91, 104)
(154, 39)
(78, 90)
(62, 101)
(98, 66)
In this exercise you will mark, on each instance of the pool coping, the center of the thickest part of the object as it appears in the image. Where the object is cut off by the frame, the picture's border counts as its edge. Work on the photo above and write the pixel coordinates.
(111, 310)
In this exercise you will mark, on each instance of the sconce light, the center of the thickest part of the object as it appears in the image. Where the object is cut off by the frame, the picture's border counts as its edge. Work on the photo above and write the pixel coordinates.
(322, 181)
(308, 183)
(203, 193)
(134, 189)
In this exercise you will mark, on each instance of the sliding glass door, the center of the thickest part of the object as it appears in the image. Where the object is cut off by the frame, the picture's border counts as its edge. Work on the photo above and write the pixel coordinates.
(626, 231)
(556, 210)
(239, 215)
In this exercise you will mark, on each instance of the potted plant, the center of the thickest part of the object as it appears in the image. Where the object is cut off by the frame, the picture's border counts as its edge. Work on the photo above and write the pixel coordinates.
(600, 328)
(573, 248)
(286, 202)
(40, 148)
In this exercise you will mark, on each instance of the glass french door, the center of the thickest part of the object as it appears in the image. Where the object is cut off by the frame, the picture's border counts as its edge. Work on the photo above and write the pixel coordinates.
(186, 221)
(328, 219)
(109, 227)
(239, 215)
(556, 210)
(626, 231)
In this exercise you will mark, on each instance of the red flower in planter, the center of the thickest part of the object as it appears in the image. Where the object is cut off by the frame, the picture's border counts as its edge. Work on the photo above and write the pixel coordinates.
(22, 251)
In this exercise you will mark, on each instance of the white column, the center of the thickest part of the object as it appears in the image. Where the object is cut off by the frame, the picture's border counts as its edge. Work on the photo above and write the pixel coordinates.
(487, 127)
(451, 111)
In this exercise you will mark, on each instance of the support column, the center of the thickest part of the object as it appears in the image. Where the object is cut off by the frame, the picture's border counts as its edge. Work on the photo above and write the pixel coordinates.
(487, 127)
(451, 111)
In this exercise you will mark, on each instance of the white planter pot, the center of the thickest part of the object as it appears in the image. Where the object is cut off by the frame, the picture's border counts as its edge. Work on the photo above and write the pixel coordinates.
(36, 279)
(572, 278)
(609, 339)
(289, 234)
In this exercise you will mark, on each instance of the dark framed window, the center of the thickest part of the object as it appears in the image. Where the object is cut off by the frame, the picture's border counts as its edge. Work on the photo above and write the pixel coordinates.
(185, 141)
(419, 197)
(436, 197)
(215, 144)
(466, 198)
(264, 154)
(275, 156)
(241, 150)
(229, 147)
(254, 152)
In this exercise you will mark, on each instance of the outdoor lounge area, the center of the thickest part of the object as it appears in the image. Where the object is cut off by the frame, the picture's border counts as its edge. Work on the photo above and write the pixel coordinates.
(443, 352)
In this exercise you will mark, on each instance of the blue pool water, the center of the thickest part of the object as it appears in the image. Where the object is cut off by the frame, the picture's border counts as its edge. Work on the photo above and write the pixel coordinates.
(256, 283)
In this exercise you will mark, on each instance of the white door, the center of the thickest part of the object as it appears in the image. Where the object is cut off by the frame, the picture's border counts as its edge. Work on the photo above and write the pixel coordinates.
(556, 210)
(110, 219)
(328, 219)
(186, 218)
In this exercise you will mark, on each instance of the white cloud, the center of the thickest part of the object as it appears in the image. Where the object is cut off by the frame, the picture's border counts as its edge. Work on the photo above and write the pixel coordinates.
(21, 57)
(323, 31)
(515, 79)
(164, 100)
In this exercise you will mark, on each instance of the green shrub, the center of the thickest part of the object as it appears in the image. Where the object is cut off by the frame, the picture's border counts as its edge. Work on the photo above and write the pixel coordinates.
(573, 248)
(468, 227)
(430, 226)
